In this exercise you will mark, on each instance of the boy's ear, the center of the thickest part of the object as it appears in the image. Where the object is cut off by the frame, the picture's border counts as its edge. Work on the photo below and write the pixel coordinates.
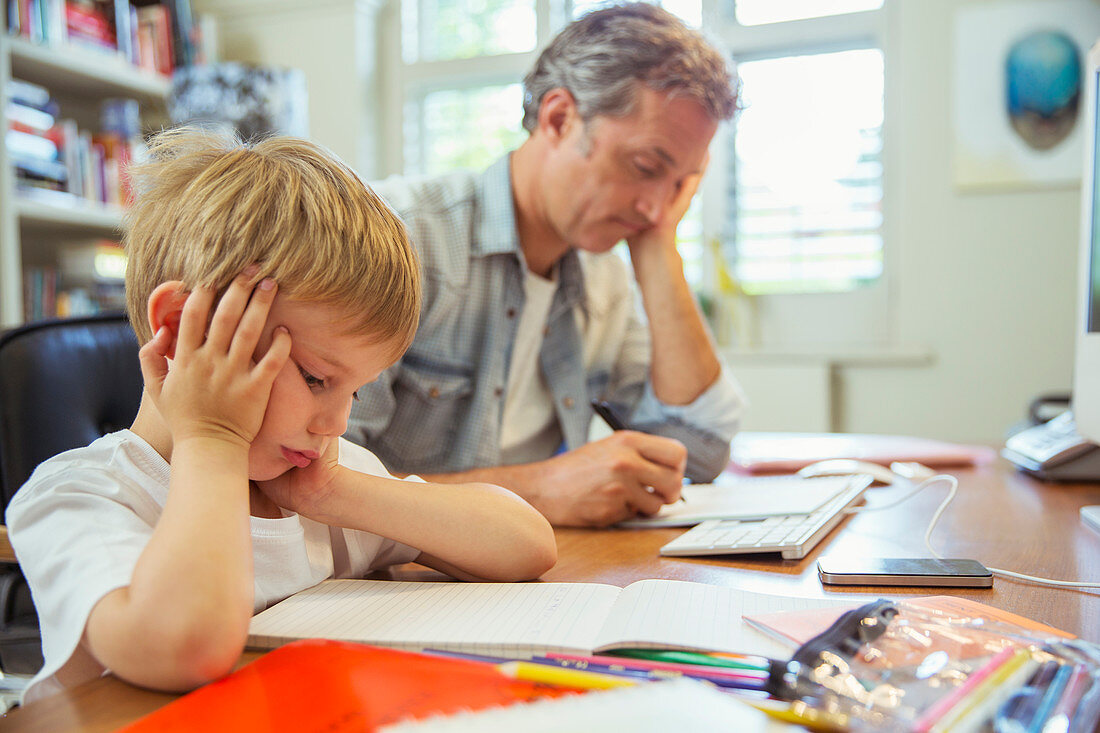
(557, 114)
(165, 308)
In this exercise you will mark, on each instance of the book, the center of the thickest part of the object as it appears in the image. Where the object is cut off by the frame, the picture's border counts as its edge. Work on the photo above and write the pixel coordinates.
(526, 619)
(155, 21)
(332, 686)
(24, 92)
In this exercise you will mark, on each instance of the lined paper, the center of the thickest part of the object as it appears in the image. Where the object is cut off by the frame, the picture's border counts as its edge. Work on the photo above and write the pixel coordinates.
(680, 614)
(524, 619)
(479, 618)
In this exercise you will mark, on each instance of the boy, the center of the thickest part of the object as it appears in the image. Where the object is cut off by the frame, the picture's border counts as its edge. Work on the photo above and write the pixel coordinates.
(148, 551)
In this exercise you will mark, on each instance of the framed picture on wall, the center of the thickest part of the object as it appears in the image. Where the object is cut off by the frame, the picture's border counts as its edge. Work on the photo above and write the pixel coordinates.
(1018, 87)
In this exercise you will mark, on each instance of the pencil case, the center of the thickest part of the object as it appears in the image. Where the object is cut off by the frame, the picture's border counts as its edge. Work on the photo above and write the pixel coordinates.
(898, 666)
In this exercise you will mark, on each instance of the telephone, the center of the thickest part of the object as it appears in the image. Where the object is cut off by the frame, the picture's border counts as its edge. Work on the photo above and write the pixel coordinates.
(1053, 451)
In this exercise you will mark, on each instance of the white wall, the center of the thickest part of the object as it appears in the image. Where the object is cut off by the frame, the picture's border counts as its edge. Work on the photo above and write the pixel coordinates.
(332, 41)
(982, 284)
(986, 280)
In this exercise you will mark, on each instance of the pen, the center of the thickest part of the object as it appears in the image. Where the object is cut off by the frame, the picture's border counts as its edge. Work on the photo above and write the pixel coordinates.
(1063, 711)
(1017, 712)
(607, 413)
(1050, 698)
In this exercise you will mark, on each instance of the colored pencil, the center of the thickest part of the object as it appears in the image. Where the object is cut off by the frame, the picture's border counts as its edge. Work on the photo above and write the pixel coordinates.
(708, 660)
(687, 669)
(940, 708)
(563, 677)
(980, 706)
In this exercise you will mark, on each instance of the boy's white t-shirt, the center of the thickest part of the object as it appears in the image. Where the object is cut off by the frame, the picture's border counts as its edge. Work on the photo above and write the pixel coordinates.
(80, 523)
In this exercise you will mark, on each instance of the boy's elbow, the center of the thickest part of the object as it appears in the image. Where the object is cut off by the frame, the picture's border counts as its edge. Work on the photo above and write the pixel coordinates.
(540, 551)
(191, 655)
(538, 559)
(201, 662)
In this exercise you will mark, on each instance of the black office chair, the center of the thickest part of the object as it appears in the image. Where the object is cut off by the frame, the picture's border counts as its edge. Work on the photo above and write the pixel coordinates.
(63, 384)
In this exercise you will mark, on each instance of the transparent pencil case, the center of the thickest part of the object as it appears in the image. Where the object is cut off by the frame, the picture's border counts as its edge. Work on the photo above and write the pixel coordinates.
(898, 666)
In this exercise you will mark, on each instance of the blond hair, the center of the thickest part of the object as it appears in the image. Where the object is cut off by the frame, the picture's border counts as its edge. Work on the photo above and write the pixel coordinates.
(208, 205)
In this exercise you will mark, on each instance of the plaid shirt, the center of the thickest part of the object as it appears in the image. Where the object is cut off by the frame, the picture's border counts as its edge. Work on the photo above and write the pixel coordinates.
(439, 409)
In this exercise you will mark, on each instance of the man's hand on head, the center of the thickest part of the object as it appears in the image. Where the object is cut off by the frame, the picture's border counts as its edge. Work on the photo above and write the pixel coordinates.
(664, 230)
(624, 475)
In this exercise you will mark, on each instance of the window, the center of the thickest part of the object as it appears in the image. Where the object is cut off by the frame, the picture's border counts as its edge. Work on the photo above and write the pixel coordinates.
(434, 30)
(792, 210)
(451, 129)
(458, 101)
(804, 180)
(807, 213)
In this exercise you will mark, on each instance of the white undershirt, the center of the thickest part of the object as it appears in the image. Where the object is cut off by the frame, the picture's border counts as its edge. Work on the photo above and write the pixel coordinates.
(529, 424)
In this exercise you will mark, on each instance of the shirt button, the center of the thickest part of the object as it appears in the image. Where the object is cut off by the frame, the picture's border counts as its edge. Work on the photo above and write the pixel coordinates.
(498, 391)
(545, 331)
(568, 402)
(433, 392)
(511, 312)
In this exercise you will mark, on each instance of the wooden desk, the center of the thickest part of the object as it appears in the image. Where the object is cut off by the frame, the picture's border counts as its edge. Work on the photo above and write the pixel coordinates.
(999, 517)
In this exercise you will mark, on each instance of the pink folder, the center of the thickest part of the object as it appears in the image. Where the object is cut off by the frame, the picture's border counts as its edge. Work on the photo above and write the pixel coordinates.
(788, 452)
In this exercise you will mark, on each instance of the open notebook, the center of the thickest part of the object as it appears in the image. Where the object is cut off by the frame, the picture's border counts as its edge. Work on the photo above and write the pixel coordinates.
(747, 498)
(526, 619)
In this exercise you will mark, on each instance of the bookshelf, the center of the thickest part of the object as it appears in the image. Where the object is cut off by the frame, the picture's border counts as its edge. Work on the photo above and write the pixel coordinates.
(33, 232)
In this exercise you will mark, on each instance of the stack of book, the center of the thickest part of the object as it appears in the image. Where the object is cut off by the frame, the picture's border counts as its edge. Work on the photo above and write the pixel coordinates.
(89, 279)
(34, 139)
(57, 163)
(158, 36)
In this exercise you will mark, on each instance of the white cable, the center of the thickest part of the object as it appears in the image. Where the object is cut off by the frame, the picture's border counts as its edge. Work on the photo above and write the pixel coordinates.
(954, 487)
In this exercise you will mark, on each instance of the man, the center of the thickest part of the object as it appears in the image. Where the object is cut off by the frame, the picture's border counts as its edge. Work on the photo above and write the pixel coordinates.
(527, 317)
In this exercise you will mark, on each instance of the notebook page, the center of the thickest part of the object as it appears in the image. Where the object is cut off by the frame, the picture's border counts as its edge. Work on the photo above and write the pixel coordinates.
(699, 617)
(479, 618)
(745, 498)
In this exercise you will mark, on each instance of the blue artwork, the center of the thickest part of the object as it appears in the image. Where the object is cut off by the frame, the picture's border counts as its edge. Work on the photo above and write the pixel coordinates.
(1043, 75)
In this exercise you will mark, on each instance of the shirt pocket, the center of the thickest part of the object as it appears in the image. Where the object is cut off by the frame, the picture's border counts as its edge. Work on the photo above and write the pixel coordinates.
(430, 409)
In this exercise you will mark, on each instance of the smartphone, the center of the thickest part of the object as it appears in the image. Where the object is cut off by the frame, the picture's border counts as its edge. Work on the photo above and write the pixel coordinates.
(903, 571)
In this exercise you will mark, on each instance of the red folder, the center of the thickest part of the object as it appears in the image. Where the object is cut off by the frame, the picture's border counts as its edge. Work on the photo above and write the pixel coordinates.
(338, 687)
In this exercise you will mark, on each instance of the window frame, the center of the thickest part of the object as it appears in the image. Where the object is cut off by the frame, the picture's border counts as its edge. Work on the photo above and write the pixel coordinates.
(401, 81)
(815, 322)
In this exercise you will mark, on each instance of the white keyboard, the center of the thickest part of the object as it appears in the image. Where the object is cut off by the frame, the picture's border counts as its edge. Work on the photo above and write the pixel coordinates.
(793, 535)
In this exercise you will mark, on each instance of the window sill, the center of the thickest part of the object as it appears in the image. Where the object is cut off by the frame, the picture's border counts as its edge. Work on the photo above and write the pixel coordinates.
(837, 356)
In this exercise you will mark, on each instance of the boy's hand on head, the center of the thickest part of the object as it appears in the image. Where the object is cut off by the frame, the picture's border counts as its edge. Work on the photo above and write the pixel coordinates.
(214, 389)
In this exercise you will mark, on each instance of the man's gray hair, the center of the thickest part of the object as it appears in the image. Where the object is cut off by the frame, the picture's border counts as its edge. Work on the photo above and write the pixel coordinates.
(601, 57)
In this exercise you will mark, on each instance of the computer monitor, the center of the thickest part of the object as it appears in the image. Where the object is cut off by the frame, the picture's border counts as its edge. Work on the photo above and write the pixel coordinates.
(1086, 376)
